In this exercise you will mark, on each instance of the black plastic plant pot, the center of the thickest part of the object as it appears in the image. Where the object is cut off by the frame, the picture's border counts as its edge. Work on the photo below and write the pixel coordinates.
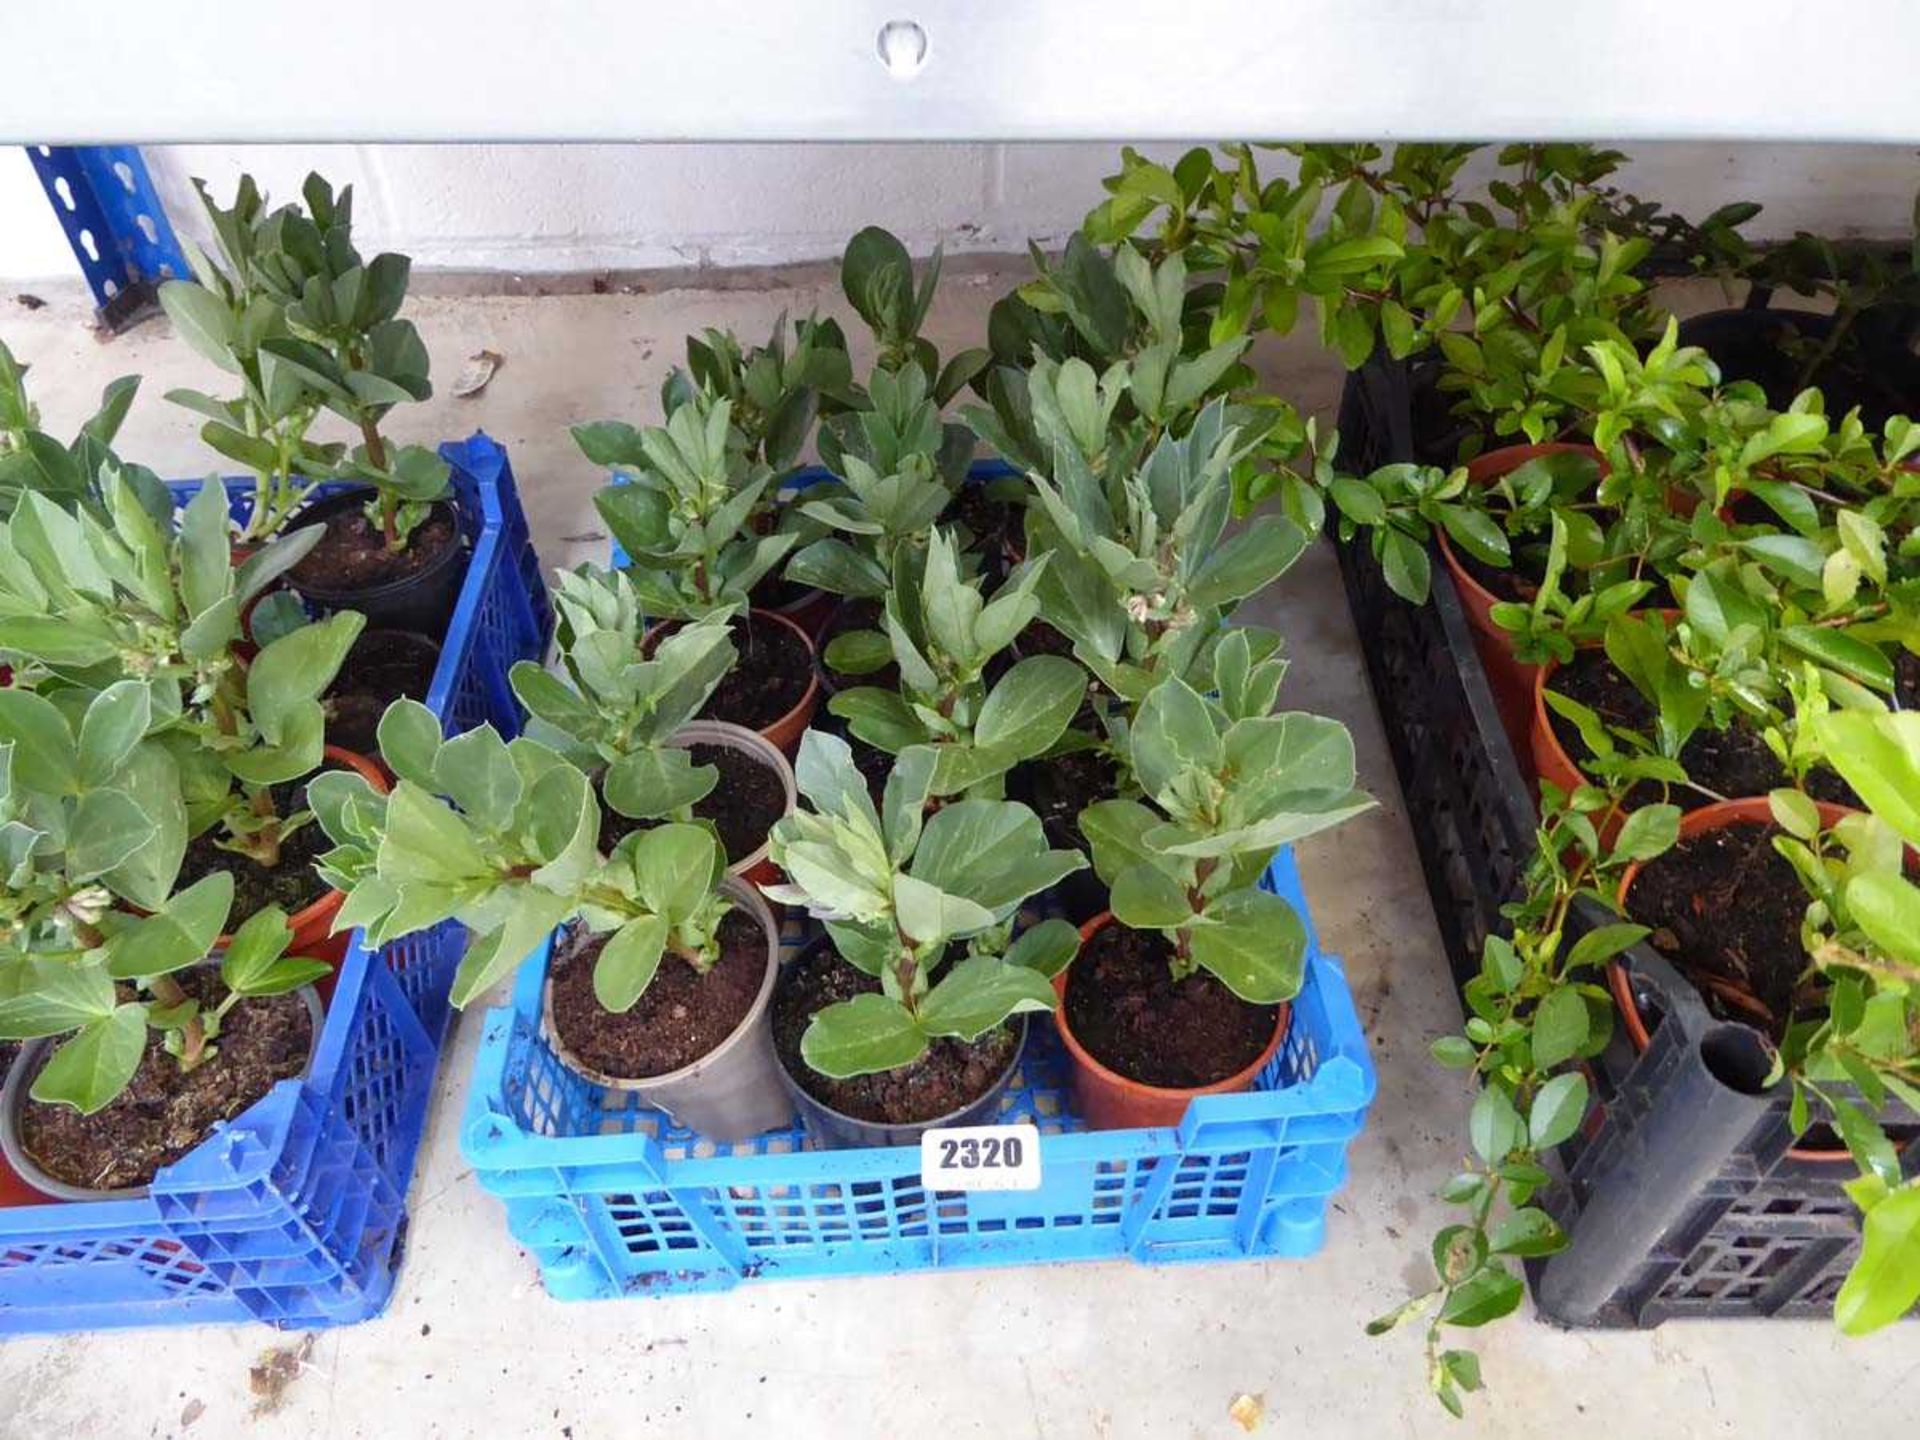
(423, 601)
(382, 666)
(1873, 367)
(835, 1130)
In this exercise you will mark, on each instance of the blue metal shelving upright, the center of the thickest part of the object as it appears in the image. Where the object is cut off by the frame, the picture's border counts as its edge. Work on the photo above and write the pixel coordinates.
(115, 222)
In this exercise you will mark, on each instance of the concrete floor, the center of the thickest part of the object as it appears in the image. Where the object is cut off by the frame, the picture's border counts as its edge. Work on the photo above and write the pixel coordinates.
(471, 1345)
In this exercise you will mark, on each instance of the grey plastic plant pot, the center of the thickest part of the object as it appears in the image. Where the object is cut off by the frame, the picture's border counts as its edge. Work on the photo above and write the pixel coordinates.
(838, 1131)
(733, 1092)
(13, 1099)
(756, 868)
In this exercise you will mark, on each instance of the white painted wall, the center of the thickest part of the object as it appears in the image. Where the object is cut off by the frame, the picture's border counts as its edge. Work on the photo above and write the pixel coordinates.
(555, 209)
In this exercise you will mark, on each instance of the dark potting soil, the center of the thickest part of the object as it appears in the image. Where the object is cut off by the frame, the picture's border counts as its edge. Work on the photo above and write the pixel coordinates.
(848, 616)
(292, 884)
(353, 554)
(771, 675)
(993, 523)
(776, 592)
(1126, 1009)
(949, 1077)
(682, 1016)
(383, 666)
(1733, 763)
(743, 805)
(1058, 788)
(164, 1113)
(1725, 908)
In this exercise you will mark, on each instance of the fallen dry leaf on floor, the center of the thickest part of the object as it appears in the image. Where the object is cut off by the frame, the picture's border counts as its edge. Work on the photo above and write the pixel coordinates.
(475, 374)
(274, 1371)
(192, 1411)
(1248, 1411)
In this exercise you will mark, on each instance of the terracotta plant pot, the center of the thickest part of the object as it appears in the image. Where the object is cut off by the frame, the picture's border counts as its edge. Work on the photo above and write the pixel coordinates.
(787, 730)
(1108, 1100)
(1719, 816)
(312, 925)
(1550, 759)
(736, 1090)
(38, 1186)
(755, 869)
(1510, 680)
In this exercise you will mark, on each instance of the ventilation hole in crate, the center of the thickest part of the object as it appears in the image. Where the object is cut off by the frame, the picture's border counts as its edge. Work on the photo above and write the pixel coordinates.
(148, 228)
(64, 191)
(87, 244)
(111, 288)
(125, 173)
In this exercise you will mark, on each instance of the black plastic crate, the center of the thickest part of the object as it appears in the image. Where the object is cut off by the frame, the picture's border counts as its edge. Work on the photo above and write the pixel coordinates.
(1684, 1196)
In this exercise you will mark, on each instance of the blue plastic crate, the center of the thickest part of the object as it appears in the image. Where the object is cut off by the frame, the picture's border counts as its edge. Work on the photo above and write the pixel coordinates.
(295, 1212)
(503, 613)
(612, 1199)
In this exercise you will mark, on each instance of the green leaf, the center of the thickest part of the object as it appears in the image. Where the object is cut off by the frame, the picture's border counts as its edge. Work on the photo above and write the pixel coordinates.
(177, 935)
(675, 868)
(529, 920)
(1148, 897)
(1406, 565)
(426, 840)
(979, 993)
(1602, 943)
(97, 1064)
(1879, 756)
(1887, 908)
(255, 946)
(628, 963)
(1884, 1283)
(1649, 831)
(929, 915)
(1558, 1108)
(202, 320)
(1254, 943)
(107, 828)
(1477, 534)
(1527, 1234)
(409, 740)
(1494, 1126)
(1173, 731)
(1559, 1027)
(44, 753)
(1031, 706)
(1456, 1052)
(475, 771)
(1046, 948)
(861, 1036)
(859, 652)
(297, 669)
(114, 722)
(1489, 1294)
(55, 996)
(1248, 562)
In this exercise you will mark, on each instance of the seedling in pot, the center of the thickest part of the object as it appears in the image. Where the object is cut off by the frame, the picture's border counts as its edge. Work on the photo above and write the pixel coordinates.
(683, 510)
(92, 820)
(92, 601)
(1139, 570)
(1227, 782)
(82, 995)
(621, 712)
(228, 313)
(877, 276)
(67, 473)
(504, 837)
(943, 633)
(896, 887)
(775, 392)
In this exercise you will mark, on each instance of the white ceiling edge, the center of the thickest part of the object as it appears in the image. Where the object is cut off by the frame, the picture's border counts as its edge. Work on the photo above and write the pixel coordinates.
(499, 70)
